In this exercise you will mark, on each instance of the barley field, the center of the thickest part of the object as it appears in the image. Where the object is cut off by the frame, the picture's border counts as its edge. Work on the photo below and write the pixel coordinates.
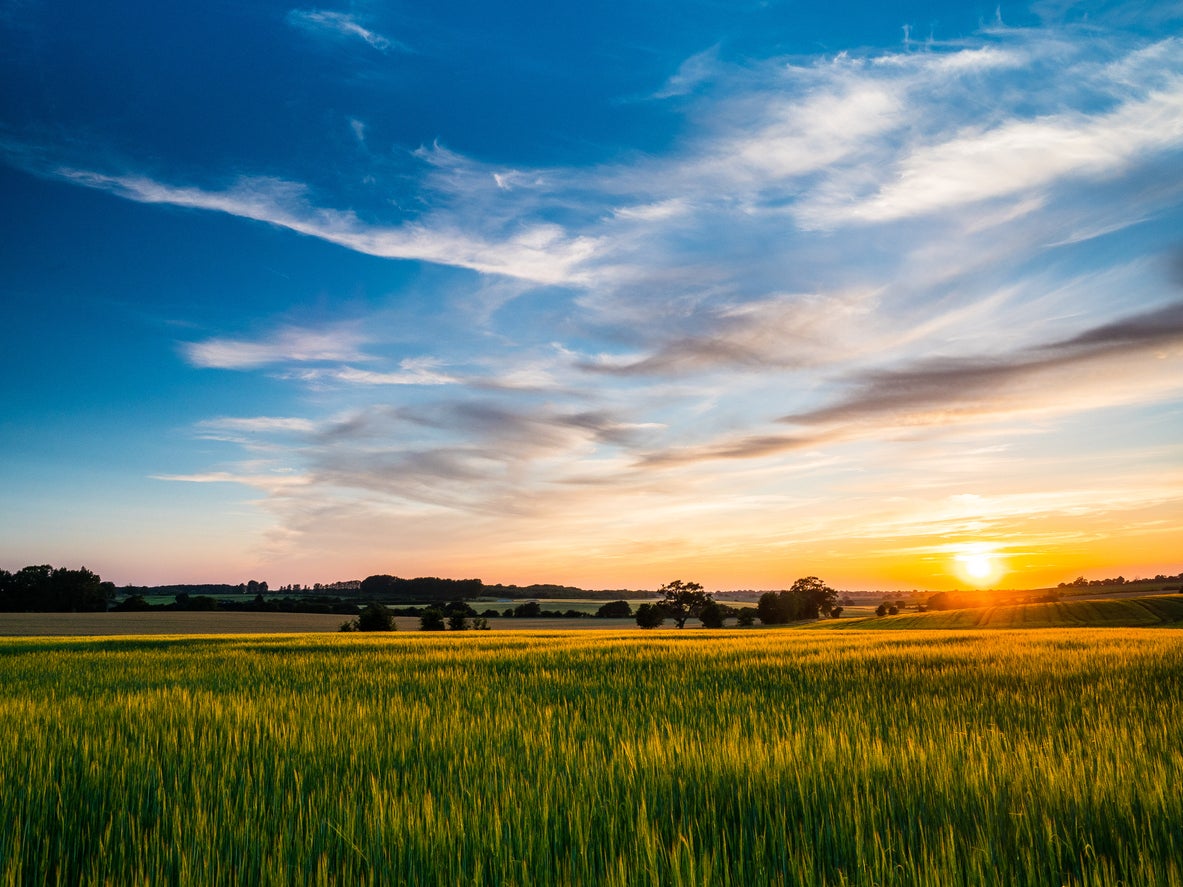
(734, 758)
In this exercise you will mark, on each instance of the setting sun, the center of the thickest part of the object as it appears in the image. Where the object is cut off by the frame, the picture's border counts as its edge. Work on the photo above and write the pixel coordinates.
(979, 564)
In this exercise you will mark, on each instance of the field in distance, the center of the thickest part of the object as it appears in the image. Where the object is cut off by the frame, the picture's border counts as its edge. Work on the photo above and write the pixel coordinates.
(608, 758)
(1110, 611)
(205, 623)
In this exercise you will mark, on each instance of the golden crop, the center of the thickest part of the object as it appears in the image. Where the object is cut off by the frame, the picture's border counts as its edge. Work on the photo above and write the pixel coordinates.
(748, 758)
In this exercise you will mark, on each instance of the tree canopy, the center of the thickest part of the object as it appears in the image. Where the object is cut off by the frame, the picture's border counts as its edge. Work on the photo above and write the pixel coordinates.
(650, 615)
(44, 589)
(423, 589)
(682, 600)
(809, 598)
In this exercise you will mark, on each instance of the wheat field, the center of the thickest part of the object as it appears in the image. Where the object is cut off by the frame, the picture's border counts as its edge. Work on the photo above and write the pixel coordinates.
(693, 757)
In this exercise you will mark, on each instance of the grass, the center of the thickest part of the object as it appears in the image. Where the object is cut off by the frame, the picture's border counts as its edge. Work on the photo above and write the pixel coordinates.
(1116, 612)
(694, 757)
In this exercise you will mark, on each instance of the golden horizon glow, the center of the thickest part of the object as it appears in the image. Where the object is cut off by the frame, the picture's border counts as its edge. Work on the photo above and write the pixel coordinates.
(979, 564)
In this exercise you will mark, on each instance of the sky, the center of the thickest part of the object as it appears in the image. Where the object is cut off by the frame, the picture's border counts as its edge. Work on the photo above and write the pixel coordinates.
(888, 293)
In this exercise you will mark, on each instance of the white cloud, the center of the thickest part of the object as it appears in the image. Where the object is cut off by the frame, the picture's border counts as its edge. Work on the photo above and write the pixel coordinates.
(411, 372)
(259, 424)
(274, 484)
(693, 72)
(1023, 156)
(802, 136)
(289, 345)
(339, 24)
(542, 253)
(660, 211)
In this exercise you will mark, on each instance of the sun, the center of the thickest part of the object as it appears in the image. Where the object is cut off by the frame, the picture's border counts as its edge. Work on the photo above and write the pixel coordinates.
(977, 566)
(978, 563)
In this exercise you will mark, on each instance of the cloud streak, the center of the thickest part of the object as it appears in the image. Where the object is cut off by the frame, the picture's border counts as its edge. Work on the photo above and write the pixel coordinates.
(287, 345)
(1022, 157)
(542, 253)
(942, 390)
(1115, 363)
(341, 25)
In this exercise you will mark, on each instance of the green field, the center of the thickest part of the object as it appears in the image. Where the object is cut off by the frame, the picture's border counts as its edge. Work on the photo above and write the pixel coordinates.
(586, 758)
(1115, 612)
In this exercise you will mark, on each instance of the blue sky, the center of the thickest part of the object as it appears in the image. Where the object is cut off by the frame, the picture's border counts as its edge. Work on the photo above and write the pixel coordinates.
(602, 295)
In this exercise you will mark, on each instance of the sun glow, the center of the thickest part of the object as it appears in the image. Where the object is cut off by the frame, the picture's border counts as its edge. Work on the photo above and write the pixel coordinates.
(979, 564)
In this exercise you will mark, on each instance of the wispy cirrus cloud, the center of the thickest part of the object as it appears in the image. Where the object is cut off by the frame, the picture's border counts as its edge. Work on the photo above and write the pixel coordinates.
(541, 252)
(1019, 157)
(286, 345)
(1088, 369)
(340, 25)
(797, 330)
(411, 371)
(259, 424)
(777, 149)
(272, 484)
(1115, 363)
(697, 69)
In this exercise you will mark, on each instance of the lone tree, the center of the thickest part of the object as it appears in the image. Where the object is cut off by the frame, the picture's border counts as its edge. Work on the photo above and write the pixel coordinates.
(650, 615)
(681, 600)
(373, 617)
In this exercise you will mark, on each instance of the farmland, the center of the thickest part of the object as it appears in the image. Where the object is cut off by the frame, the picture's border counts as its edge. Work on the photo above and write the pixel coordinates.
(1115, 612)
(791, 757)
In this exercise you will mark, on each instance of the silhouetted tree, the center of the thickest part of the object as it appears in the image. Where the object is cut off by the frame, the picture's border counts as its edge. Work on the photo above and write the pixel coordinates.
(424, 588)
(431, 620)
(746, 617)
(819, 598)
(43, 589)
(681, 600)
(375, 617)
(649, 616)
(881, 610)
(711, 615)
(457, 621)
(615, 610)
(778, 607)
(809, 598)
(528, 610)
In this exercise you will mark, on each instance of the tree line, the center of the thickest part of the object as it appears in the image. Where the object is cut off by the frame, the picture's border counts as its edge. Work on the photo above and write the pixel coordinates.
(808, 598)
(432, 589)
(1081, 582)
(44, 589)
